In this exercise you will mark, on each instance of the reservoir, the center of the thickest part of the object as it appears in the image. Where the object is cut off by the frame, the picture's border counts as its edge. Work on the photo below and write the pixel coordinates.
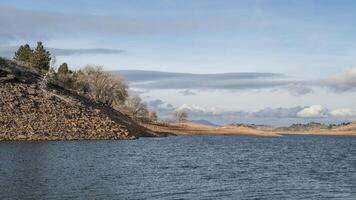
(181, 167)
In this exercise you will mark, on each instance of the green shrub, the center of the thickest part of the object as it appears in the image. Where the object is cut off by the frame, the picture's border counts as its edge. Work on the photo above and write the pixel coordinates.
(63, 69)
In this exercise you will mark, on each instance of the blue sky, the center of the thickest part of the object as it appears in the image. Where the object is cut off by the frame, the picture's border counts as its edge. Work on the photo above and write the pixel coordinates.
(309, 42)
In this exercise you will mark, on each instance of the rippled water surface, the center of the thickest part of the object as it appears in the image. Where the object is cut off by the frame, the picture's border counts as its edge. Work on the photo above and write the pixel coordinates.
(190, 167)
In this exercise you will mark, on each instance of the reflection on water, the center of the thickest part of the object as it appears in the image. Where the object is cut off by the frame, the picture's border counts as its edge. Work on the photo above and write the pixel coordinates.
(196, 167)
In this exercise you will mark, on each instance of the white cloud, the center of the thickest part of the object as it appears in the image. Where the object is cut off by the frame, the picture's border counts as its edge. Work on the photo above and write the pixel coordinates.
(343, 112)
(314, 111)
(299, 88)
(341, 82)
(278, 112)
(196, 108)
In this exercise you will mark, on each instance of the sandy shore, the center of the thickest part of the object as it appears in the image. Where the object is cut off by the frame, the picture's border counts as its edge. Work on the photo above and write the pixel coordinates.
(196, 129)
(200, 129)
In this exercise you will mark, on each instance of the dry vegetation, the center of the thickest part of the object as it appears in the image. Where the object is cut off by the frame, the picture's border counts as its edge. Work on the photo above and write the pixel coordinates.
(189, 128)
(346, 129)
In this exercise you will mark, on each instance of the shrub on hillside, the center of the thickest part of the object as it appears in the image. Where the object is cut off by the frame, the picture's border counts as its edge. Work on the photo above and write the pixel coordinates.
(63, 69)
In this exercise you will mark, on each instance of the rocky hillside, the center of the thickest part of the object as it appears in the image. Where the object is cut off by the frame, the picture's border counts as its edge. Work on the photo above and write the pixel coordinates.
(304, 127)
(31, 111)
(346, 127)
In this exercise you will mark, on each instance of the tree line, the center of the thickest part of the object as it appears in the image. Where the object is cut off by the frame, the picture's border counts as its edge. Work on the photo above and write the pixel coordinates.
(92, 82)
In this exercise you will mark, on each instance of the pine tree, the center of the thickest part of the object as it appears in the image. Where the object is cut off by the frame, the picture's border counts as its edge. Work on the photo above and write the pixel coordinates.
(41, 58)
(63, 69)
(24, 54)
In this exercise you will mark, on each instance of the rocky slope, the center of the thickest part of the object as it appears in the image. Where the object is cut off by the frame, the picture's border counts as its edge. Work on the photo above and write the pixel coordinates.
(29, 111)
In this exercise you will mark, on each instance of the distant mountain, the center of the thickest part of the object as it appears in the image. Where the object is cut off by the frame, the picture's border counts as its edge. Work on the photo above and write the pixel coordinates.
(204, 122)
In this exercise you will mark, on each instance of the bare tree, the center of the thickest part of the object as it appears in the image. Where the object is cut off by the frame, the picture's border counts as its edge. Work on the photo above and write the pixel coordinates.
(135, 108)
(152, 116)
(49, 74)
(180, 115)
(101, 86)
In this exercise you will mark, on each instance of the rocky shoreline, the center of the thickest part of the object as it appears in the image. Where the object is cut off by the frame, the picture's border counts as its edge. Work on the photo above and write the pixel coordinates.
(29, 112)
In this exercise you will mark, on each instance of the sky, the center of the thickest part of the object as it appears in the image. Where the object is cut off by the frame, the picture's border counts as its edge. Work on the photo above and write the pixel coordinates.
(273, 62)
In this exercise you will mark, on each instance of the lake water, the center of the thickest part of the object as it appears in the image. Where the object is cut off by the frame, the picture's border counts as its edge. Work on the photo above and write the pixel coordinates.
(184, 167)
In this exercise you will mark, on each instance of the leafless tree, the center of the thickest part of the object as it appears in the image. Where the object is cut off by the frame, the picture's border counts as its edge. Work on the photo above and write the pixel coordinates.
(101, 86)
(180, 115)
(135, 108)
(152, 116)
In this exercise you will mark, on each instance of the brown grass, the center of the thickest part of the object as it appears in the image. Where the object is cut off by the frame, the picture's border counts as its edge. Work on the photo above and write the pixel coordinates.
(322, 132)
(200, 129)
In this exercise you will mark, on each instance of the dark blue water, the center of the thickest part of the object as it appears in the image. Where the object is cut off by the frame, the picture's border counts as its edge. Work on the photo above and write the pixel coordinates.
(190, 167)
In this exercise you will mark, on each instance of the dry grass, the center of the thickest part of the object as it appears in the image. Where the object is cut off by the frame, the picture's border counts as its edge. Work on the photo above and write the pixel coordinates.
(323, 132)
(197, 129)
(200, 129)
(346, 130)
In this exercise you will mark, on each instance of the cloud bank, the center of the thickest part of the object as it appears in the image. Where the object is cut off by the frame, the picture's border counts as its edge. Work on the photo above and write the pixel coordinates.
(8, 51)
(188, 82)
(19, 24)
(341, 82)
(314, 111)
(274, 116)
(344, 81)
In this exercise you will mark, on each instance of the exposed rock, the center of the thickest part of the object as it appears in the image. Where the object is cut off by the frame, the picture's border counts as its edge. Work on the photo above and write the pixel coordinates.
(30, 113)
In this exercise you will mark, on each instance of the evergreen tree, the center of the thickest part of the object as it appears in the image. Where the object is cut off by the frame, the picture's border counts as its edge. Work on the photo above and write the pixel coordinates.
(41, 58)
(63, 69)
(24, 54)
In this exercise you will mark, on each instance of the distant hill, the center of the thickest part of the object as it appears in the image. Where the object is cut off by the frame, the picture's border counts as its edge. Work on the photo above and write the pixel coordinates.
(204, 122)
(304, 127)
(347, 128)
(253, 126)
